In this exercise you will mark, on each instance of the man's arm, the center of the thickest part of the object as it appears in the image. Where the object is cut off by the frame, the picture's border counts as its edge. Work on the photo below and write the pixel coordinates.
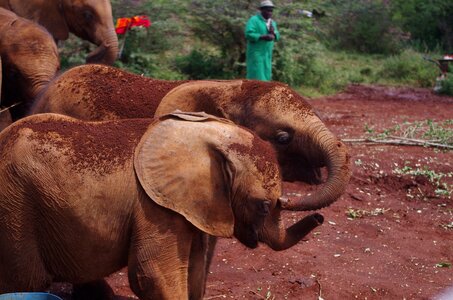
(251, 30)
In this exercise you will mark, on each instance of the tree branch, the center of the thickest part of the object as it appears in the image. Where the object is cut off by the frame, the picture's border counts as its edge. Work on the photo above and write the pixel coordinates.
(401, 141)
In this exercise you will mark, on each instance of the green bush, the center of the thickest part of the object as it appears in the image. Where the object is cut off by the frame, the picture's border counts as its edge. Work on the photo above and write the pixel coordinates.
(202, 64)
(365, 26)
(221, 24)
(409, 67)
(299, 64)
(446, 86)
(73, 52)
(296, 55)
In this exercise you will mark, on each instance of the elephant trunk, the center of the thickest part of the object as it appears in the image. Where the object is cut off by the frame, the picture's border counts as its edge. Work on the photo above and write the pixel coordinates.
(39, 80)
(107, 50)
(335, 156)
(279, 238)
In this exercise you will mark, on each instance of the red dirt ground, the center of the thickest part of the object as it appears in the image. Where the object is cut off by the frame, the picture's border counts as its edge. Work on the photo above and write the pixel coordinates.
(399, 245)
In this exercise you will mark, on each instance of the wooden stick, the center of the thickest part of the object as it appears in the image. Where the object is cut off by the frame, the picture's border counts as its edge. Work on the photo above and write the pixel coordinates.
(214, 297)
(9, 107)
(398, 141)
(431, 143)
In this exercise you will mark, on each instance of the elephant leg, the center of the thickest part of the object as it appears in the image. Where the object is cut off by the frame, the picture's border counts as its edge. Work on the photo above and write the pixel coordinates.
(21, 264)
(94, 290)
(158, 264)
(212, 242)
(200, 259)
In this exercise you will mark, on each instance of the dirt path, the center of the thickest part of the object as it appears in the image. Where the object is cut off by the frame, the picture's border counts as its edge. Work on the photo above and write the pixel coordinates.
(390, 236)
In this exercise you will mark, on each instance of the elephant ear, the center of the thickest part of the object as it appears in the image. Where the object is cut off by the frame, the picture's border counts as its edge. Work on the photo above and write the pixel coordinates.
(48, 13)
(179, 168)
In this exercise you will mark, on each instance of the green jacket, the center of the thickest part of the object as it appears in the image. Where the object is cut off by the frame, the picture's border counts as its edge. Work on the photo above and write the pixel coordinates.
(259, 52)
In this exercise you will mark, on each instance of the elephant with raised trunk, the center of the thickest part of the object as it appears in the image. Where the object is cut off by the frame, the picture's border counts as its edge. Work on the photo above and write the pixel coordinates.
(29, 61)
(80, 200)
(90, 20)
(271, 109)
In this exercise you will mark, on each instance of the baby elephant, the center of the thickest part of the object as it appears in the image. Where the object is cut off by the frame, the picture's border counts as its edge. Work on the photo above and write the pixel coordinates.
(80, 200)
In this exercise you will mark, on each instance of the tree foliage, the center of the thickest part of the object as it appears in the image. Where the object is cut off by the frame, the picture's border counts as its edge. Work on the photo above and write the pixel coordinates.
(364, 26)
(430, 23)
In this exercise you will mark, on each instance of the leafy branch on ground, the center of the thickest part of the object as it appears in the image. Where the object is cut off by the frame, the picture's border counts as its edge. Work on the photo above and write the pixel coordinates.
(426, 133)
(353, 213)
(436, 178)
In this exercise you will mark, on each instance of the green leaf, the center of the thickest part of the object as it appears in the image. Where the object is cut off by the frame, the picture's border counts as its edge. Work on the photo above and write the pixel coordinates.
(443, 265)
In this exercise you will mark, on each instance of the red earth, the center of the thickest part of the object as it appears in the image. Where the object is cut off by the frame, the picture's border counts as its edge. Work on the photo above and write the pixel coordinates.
(390, 236)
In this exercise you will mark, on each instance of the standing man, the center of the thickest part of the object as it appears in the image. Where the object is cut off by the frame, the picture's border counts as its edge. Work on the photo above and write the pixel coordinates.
(261, 32)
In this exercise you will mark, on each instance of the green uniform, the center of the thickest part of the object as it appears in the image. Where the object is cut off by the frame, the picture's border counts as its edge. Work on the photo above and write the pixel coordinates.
(259, 52)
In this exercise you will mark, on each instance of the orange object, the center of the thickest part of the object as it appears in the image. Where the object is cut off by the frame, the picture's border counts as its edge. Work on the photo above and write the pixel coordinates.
(123, 24)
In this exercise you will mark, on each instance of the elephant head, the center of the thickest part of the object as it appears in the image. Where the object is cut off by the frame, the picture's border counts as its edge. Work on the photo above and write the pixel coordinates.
(90, 20)
(29, 58)
(278, 115)
(223, 179)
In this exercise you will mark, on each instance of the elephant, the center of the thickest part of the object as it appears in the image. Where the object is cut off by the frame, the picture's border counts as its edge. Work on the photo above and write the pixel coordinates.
(30, 61)
(273, 110)
(90, 20)
(80, 200)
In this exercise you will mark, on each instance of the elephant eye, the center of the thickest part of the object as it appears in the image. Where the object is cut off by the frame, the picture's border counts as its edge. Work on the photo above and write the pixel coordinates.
(264, 207)
(88, 15)
(283, 137)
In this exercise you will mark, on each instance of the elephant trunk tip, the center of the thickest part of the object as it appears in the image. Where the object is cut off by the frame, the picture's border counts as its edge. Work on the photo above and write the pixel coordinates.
(318, 218)
(297, 232)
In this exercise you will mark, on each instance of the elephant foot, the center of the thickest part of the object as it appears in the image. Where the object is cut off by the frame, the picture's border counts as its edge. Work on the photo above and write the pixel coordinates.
(94, 290)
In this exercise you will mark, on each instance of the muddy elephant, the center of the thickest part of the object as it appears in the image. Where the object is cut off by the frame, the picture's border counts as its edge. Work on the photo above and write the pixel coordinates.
(80, 200)
(29, 61)
(90, 20)
(273, 110)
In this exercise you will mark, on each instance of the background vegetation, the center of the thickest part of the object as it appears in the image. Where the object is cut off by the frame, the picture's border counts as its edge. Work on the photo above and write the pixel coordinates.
(363, 41)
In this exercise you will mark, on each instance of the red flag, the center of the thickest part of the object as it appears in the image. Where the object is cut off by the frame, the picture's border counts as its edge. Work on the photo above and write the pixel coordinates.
(123, 24)
(142, 21)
